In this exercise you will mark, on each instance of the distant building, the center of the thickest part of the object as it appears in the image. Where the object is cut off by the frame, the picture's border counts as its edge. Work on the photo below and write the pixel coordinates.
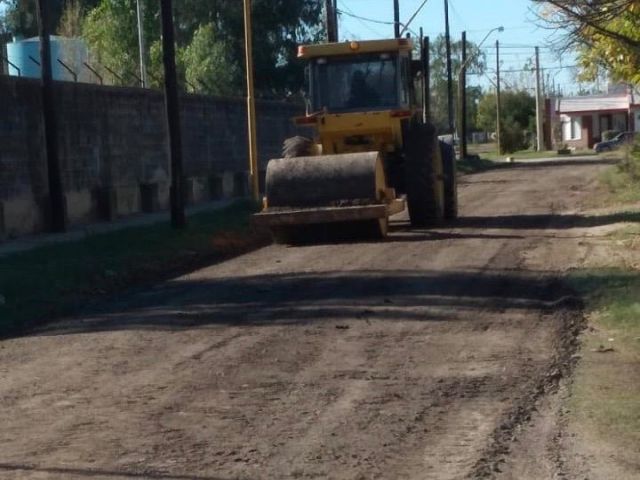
(583, 119)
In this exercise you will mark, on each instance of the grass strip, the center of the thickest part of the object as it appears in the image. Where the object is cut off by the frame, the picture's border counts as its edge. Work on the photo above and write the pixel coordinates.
(46, 282)
(606, 388)
(533, 154)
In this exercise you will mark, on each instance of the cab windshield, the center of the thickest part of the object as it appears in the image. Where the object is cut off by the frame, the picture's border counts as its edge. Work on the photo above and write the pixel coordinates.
(349, 84)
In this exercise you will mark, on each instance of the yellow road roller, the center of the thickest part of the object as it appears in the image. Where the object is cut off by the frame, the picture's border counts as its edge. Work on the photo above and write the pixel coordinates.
(371, 154)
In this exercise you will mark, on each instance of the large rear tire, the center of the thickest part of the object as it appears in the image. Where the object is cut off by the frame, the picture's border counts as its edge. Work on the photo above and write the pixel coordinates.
(422, 153)
(449, 170)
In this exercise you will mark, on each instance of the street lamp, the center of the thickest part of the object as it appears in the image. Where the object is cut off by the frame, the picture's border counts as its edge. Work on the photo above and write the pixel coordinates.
(251, 102)
(141, 46)
(462, 101)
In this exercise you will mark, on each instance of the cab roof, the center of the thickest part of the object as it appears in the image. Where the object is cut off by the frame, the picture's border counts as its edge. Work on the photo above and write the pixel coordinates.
(355, 47)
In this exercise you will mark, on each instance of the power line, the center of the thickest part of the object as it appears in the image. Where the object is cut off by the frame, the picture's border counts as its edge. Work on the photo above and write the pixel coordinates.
(415, 14)
(528, 69)
(350, 13)
(373, 20)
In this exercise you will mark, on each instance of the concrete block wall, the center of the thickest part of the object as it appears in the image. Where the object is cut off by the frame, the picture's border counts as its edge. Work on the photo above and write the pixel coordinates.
(113, 150)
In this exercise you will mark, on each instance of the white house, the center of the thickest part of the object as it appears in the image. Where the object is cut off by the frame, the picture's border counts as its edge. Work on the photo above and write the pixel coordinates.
(584, 118)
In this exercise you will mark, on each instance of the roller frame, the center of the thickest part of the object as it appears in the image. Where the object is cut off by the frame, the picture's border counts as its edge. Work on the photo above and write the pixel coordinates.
(316, 215)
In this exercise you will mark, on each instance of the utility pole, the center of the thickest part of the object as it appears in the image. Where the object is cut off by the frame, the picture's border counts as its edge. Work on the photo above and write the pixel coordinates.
(58, 222)
(335, 20)
(172, 105)
(423, 86)
(141, 45)
(426, 61)
(251, 103)
(330, 20)
(396, 18)
(449, 74)
(498, 112)
(462, 85)
(539, 114)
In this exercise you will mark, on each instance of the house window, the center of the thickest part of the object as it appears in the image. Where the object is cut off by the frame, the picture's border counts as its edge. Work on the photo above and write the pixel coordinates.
(572, 128)
(620, 122)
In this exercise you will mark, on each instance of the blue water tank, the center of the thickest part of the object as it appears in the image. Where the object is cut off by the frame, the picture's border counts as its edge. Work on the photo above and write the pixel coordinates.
(24, 56)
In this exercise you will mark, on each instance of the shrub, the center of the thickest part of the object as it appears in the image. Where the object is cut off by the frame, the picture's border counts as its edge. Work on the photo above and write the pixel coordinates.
(512, 138)
(630, 164)
(609, 134)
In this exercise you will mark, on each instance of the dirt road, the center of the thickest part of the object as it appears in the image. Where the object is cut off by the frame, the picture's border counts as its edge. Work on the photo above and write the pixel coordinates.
(420, 357)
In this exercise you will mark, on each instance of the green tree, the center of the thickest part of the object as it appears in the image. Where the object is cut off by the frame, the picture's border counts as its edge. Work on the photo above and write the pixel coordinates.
(210, 41)
(518, 111)
(20, 16)
(71, 19)
(438, 67)
(110, 30)
(606, 34)
(208, 63)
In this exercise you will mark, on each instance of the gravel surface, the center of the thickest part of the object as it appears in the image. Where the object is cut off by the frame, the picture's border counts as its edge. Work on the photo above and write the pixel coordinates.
(419, 357)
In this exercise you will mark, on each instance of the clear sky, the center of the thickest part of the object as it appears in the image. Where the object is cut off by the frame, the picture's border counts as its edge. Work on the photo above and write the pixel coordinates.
(476, 17)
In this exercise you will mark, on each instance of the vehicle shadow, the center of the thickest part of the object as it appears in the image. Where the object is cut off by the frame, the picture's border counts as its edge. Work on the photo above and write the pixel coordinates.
(543, 221)
(305, 298)
(65, 472)
(401, 230)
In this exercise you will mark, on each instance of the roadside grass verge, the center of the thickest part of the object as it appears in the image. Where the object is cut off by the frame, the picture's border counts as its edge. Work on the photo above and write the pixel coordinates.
(623, 179)
(41, 284)
(532, 154)
(605, 400)
(606, 388)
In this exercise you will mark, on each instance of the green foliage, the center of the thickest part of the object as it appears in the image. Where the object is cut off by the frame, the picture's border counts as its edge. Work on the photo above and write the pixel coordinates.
(518, 116)
(623, 179)
(606, 34)
(609, 134)
(210, 58)
(20, 17)
(438, 73)
(630, 164)
(609, 53)
(71, 19)
(110, 31)
(209, 39)
(210, 42)
(512, 138)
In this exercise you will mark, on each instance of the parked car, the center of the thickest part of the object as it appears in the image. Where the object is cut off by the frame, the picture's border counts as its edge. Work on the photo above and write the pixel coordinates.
(624, 138)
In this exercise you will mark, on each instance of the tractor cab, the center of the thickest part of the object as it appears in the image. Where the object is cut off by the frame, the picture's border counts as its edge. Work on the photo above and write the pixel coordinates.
(359, 76)
(373, 81)
(359, 94)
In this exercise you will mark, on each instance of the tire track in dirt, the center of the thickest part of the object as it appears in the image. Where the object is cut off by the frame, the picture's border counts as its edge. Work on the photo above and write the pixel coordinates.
(418, 357)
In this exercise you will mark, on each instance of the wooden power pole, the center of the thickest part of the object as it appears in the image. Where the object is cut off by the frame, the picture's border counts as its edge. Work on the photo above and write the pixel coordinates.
(58, 217)
(498, 106)
(426, 62)
(330, 21)
(251, 104)
(172, 105)
(463, 98)
(539, 106)
(449, 73)
(396, 18)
